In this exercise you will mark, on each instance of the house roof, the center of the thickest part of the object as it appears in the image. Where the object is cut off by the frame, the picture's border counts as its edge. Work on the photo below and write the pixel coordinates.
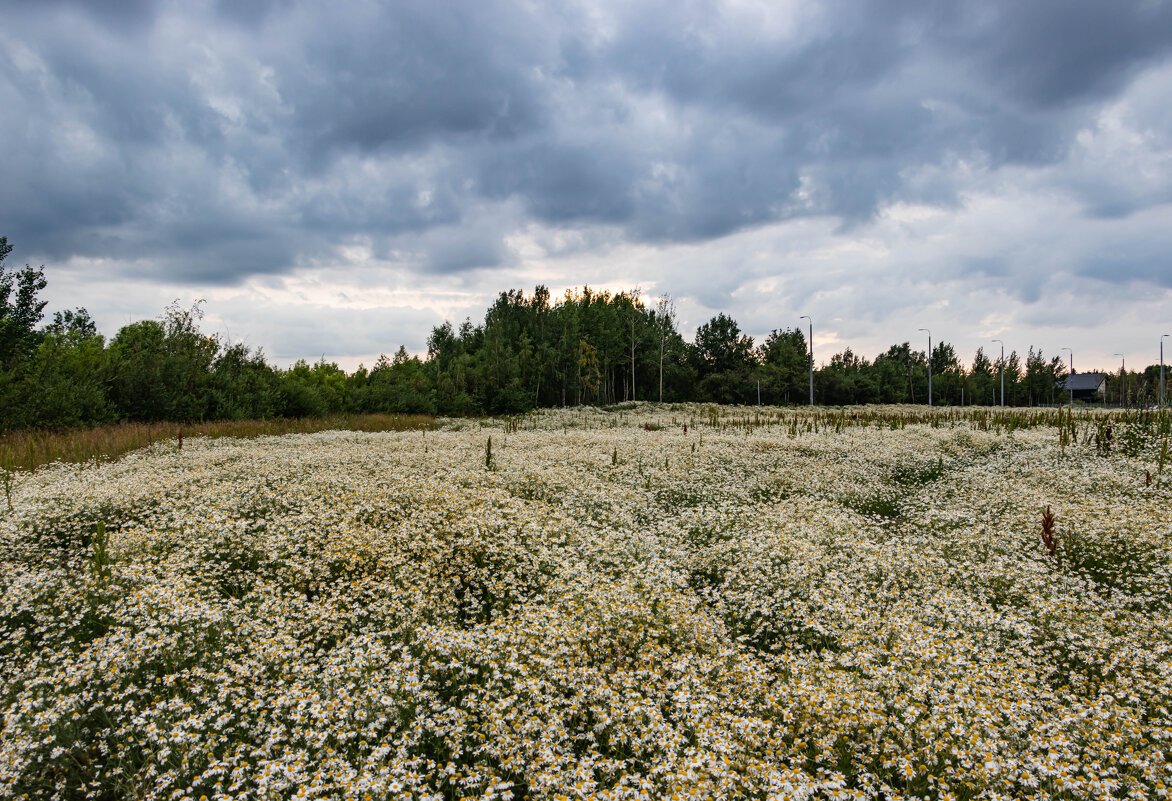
(1085, 381)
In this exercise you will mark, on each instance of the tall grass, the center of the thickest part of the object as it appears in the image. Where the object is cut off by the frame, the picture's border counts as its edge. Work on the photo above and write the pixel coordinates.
(27, 450)
(801, 420)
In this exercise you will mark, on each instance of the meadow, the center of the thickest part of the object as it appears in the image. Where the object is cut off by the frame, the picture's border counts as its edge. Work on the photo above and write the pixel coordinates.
(646, 601)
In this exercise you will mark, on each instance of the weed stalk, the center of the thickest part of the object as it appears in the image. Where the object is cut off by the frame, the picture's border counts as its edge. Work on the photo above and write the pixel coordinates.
(7, 470)
(1163, 461)
(1049, 539)
(100, 561)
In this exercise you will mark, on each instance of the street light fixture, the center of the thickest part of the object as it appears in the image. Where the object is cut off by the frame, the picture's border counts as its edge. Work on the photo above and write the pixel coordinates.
(929, 366)
(1002, 372)
(807, 317)
(1068, 383)
(1162, 336)
(1122, 379)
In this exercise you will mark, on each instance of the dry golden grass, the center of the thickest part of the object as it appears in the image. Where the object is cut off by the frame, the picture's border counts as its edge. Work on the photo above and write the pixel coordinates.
(27, 450)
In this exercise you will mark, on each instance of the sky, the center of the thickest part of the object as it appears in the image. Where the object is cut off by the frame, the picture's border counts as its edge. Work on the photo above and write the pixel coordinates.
(335, 179)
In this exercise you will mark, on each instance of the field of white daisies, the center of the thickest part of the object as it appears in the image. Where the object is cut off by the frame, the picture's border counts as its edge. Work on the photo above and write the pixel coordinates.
(651, 602)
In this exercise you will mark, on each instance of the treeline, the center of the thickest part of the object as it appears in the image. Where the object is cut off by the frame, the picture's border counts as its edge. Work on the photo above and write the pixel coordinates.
(530, 351)
(595, 347)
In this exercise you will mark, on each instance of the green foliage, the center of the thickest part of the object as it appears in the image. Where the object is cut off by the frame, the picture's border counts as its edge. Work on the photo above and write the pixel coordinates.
(161, 369)
(19, 312)
(100, 561)
(785, 365)
(912, 474)
(877, 505)
(720, 346)
(242, 386)
(400, 386)
(1117, 564)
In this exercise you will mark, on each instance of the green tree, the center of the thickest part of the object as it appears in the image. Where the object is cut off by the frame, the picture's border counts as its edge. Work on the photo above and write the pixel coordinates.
(187, 366)
(785, 365)
(62, 383)
(1013, 373)
(1039, 385)
(137, 390)
(399, 386)
(242, 386)
(161, 369)
(947, 375)
(983, 382)
(20, 309)
(721, 347)
(75, 322)
(634, 316)
(664, 321)
(316, 390)
(893, 374)
(589, 374)
(725, 361)
(848, 379)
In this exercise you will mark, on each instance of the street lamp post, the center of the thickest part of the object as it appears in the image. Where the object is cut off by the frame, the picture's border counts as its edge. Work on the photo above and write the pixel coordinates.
(807, 317)
(1162, 338)
(929, 366)
(1122, 379)
(1068, 383)
(1002, 372)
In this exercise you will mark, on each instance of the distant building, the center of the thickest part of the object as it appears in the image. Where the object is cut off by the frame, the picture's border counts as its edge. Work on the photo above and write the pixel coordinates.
(1086, 386)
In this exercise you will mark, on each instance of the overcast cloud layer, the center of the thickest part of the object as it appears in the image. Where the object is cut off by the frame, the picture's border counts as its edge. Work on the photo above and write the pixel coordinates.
(337, 178)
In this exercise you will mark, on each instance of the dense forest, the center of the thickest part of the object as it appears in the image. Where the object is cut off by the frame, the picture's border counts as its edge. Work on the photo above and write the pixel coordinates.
(530, 351)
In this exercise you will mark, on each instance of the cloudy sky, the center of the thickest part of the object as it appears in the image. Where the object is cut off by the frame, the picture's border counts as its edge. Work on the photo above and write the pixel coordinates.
(336, 178)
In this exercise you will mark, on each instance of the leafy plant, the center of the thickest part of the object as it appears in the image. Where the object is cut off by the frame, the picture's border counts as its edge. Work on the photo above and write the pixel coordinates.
(100, 558)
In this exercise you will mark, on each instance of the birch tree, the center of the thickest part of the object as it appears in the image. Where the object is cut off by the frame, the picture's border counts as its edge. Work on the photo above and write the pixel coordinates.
(665, 320)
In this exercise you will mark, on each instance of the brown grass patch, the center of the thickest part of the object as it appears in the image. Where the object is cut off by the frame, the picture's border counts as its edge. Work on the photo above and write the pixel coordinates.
(27, 450)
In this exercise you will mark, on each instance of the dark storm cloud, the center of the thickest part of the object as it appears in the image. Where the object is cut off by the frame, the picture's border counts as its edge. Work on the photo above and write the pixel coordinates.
(463, 249)
(1126, 253)
(1047, 55)
(118, 13)
(1036, 54)
(250, 12)
(408, 76)
(563, 182)
(227, 139)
